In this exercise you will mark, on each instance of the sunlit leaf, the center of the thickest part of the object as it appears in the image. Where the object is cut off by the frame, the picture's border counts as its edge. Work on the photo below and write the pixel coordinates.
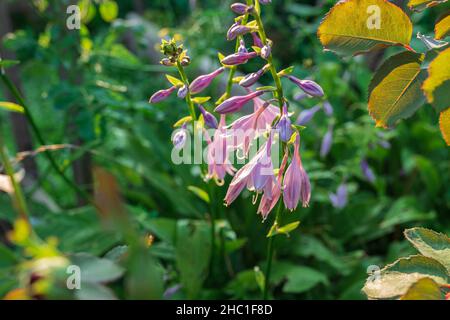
(442, 27)
(182, 121)
(424, 289)
(109, 10)
(8, 63)
(394, 92)
(174, 81)
(437, 85)
(202, 194)
(11, 106)
(284, 229)
(356, 26)
(431, 244)
(200, 100)
(444, 125)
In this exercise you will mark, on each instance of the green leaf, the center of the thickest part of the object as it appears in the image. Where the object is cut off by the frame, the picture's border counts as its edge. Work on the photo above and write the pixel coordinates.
(11, 106)
(266, 88)
(431, 244)
(283, 230)
(299, 278)
(424, 289)
(8, 63)
(437, 85)
(286, 71)
(260, 278)
(96, 270)
(374, 24)
(94, 291)
(394, 92)
(192, 254)
(109, 10)
(202, 194)
(394, 280)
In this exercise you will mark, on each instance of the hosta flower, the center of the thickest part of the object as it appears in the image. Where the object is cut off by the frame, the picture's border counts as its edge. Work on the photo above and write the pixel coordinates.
(210, 120)
(284, 125)
(367, 171)
(218, 152)
(265, 1)
(238, 58)
(242, 47)
(236, 103)
(182, 92)
(266, 51)
(296, 185)
(202, 82)
(306, 115)
(239, 8)
(256, 40)
(257, 175)
(327, 141)
(340, 198)
(308, 86)
(237, 29)
(162, 95)
(180, 137)
(251, 78)
(328, 108)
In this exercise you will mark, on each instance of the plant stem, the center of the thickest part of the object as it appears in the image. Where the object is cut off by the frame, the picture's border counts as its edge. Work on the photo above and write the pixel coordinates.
(40, 138)
(188, 95)
(270, 251)
(19, 199)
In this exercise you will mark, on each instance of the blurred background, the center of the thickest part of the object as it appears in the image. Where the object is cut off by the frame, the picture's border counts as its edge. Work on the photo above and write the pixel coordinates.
(89, 89)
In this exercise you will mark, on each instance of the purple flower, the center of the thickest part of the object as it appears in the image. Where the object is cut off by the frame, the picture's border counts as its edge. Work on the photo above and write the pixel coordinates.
(171, 291)
(265, 1)
(180, 137)
(284, 125)
(161, 95)
(340, 198)
(237, 29)
(306, 115)
(367, 171)
(327, 141)
(210, 120)
(328, 108)
(251, 78)
(238, 58)
(182, 92)
(300, 96)
(239, 8)
(308, 86)
(242, 47)
(296, 182)
(202, 82)
(234, 104)
(266, 51)
(256, 40)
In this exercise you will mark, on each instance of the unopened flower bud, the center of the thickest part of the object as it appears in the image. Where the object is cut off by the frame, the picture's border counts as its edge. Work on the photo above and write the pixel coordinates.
(161, 95)
(180, 137)
(242, 48)
(210, 120)
(266, 51)
(256, 40)
(237, 29)
(265, 1)
(202, 82)
(166, 62)
(284, 125)
(182, 92)
(251, 78)
(239, 8)
(186, 61)
(308, 86)
(238, 58)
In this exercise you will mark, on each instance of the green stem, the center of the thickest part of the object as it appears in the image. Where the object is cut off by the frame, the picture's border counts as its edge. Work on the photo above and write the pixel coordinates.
(12, 88)
(270, 251)
(19, 199)
(188, 95)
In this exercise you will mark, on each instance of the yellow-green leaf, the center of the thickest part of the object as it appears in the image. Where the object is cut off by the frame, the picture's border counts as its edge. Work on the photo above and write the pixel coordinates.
(394, 92)
(356, 26)
(444, 125)
(175, 81)
(419, 5)
(202, 194)
(11, 106)
(200, 100)
(442, 27)
(109, 10)
(424, 289)
(394, 280)
(182, 121)
(8, 63)
(437, 85)
(431, 244)
(283, 230)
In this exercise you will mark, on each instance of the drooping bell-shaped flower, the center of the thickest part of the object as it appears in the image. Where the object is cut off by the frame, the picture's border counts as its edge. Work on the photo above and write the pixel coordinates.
(180, 137)
(236, 103)
(284, 125)
(210, 120)
(308, 86)
(182, 92)
(239, 8)
(218, 152)
(202, 82)
(161, 95)
(306, 115)
(367, 171)
(296, 185)
(340, 198)
(327, 141)
(237, 29)
(238, 58)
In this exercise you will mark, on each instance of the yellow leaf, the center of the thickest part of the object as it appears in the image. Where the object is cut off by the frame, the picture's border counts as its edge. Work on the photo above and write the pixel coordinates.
(437, 85)
(442, 27)
(424, 289)
(174, 81)
(21, 231)
(355, 26)
(11, 106)
(419, 5)
(182, 121)
(444, 124)
(200, 100)
(394, 92)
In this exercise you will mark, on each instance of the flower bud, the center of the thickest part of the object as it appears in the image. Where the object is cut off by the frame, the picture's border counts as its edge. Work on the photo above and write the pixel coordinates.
(308, 86)
(210, 120)
(242, 48)
(238, 58)
(239, 8)
(182, 92)
(284, 125)
(328, 108)
(180, 137)
(237, 29)
(185, 61)
(166, 62)
(265, 1)
(251, 78)
(256, 40)
(306, 115)
(234, 104)
(327, 141)
(161, 95)
(266, 51)
(202, 82)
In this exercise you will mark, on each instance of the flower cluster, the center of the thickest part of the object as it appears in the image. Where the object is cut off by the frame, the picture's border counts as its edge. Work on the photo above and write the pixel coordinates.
(270, 118)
